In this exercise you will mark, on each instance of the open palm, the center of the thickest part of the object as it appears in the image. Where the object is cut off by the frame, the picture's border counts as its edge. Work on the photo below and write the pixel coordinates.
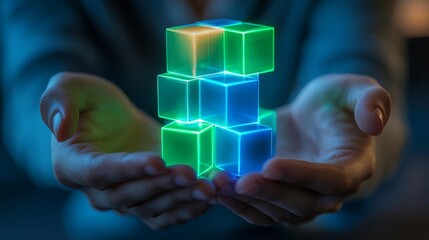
(324, 152)
(106, 147)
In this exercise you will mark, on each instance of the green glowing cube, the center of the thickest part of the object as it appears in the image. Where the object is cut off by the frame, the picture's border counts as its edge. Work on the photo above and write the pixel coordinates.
(195, 50)
(268, 118)
(188, 143)
(178, 97)
(249, 48)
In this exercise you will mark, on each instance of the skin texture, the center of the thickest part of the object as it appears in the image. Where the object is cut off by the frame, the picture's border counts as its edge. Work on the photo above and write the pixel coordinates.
(105, 147)
(325, 150)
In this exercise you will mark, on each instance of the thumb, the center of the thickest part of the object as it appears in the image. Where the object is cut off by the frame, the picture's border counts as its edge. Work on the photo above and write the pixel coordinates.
(59, 106)
(370, 103)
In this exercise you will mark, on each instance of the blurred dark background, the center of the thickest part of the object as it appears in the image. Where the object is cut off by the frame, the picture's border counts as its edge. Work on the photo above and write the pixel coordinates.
(398, 210)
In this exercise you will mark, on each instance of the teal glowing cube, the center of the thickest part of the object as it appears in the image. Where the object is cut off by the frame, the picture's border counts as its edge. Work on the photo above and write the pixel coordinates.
(178, 97)
(243, 149)
(218, 22)
(268, 118)
(195, 50)
(188, 143)
(249, 48)
(229, 100)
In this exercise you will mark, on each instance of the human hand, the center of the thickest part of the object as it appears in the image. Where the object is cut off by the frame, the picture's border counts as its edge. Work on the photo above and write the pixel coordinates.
(325, 150)
(106, 147)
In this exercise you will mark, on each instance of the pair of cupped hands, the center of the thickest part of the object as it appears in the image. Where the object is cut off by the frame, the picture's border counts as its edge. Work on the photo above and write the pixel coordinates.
(106, 147)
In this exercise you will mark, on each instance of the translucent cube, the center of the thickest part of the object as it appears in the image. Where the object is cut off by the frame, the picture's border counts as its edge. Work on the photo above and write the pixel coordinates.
(229, 100)
(178, 97)
(243, 149)
(188, 143)
(195, 50)
(249, 48)
(268, 118)
(218, 22)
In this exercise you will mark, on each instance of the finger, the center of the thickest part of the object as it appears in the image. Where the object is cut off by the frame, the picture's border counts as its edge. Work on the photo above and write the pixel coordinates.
(299, 201)
(327, 179)
(223, 180)
(154, 207)
(181, 214)
(131, 193)
(278, 214)
(69, 93)
(370, 103)
(246, 211)
(103, 170)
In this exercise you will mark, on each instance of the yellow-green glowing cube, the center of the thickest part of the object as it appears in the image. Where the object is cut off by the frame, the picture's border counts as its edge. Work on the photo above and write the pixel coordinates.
(188, 143)
(268, 118)
(249, 48)
(195, 50)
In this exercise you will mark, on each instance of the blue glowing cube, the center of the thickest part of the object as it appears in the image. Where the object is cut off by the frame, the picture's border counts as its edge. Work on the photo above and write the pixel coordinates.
(218, 22)
(178, 97)
(229, 100)
(243, 149)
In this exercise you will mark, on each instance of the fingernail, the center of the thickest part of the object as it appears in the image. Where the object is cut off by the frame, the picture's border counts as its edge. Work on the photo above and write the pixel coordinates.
(182, 181)
(379, 113)
(152, 171)
(274, 174)
(56, 122)
(212, 201)
(252, 190)
(199, 195)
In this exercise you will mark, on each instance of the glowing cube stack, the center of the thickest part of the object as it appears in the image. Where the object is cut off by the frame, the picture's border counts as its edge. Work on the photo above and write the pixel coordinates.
(211, 93)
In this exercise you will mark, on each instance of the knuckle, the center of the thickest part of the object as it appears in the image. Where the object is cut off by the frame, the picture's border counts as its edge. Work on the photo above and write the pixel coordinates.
(343, 182)
(157, 189)
(174, 199)
(97, 205)
(60, 174)
(155, 226)
(171, 219)
(198, 211)
(118, 198)
(272, 196)
(95, 202)
(151, 222)
(143, 211)
(93, 178)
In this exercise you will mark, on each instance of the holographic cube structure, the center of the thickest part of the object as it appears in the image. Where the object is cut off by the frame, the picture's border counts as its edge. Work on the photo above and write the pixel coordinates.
(211, 94)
